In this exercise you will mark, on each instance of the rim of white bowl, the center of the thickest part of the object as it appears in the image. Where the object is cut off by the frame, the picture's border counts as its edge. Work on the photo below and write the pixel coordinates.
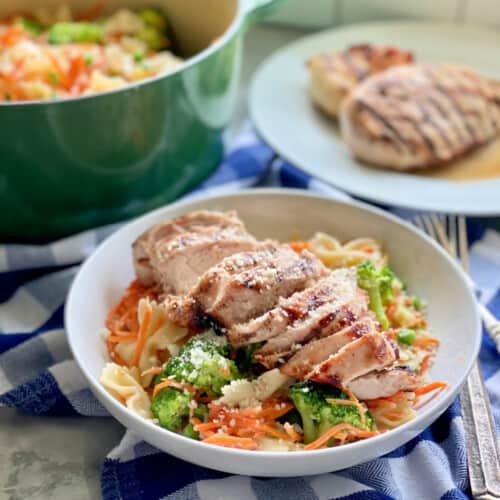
(436, 407)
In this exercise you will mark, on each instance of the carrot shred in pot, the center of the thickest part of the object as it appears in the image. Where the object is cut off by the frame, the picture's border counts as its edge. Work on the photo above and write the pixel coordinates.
(298, 246)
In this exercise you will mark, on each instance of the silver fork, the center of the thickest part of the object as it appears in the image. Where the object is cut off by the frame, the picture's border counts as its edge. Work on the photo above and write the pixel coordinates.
(480, 433)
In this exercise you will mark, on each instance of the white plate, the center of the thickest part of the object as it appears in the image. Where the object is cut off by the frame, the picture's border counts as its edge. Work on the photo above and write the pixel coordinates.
(282, 112)
(420, 262)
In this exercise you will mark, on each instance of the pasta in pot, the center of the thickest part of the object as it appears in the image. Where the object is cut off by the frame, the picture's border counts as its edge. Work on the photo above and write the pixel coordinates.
(46, 55)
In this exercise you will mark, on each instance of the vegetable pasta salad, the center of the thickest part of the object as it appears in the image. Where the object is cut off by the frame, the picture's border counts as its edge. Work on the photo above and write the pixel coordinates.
(338, 356)
(47, 55)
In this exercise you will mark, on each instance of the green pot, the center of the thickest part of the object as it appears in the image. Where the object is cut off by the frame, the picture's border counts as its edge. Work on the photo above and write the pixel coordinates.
(74, 164)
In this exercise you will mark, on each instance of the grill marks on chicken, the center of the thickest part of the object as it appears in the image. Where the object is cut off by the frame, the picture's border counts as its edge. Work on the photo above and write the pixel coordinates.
(418, 116)
(317, 351)
(341, 310)
(372, 351)
(335, 74)
(314, 322)
(248, 284)
(175, 253)
(297, 309)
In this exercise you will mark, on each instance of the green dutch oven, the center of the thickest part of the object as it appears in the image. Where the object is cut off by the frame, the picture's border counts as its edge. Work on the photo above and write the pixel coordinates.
(73, 164)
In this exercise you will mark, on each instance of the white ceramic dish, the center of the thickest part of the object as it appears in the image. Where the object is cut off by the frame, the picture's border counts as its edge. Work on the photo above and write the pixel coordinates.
(277, 213)
(281, 110)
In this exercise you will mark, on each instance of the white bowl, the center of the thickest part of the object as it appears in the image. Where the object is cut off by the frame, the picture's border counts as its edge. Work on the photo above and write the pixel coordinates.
(429, 272)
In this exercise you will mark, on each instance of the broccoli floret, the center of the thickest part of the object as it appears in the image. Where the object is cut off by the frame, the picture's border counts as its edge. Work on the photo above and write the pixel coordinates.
(204, 362)
(153, 34)
(378, 284)
(153, 38)
(75, 33)
(28, 25)
(318, 415)
(245, 359)
(153, 17)
(171, 407)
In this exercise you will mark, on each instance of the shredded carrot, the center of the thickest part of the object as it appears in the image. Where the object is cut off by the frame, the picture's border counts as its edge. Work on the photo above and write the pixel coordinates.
(183, 386)
(426, 342)
(272, 431)
(11, 36)
(275, 411)
(292, 433)
(245, 423)
(430, 387)
(116, 339)
(77, 69)
(141, 336)
(424, 365)
(154, 370)
(334, 432)
(298, 246)
(202, 427)
(440, 388)
(232, 442)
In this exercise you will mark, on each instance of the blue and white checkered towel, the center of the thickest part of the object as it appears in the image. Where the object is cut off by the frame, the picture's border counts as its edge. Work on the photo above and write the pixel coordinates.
(38, 376)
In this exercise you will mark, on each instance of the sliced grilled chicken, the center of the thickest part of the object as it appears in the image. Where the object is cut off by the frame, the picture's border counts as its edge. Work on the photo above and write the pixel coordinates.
(321, 322)
(385, 383)
(372, 351)
(419, 116)
(160, 235)
(341, 283)
(317, 351)
(334, 74)
(246, 285)
(180, 262)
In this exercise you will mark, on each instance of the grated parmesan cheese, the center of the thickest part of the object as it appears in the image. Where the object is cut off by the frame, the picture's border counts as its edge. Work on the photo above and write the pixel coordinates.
(246, 393)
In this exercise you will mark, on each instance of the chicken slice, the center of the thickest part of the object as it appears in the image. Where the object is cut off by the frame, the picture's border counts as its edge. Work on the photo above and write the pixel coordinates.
(246, 285)
(317, 351)
(384, 383)
(372, 351)
(180, 262)
(322, 322)
(297, 307)
(160, 235)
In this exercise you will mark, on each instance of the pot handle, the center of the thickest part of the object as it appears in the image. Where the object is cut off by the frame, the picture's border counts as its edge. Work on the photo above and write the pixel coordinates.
(256, 10)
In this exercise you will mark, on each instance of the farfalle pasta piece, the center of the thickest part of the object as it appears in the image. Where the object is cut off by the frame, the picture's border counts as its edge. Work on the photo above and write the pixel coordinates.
(123, 384)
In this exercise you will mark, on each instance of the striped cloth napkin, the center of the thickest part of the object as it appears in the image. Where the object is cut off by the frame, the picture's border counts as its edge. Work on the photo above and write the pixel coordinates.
(38, 376)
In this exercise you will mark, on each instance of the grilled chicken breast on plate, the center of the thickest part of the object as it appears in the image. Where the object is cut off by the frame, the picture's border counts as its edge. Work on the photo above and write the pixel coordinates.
(419, 116)
(334, 74)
